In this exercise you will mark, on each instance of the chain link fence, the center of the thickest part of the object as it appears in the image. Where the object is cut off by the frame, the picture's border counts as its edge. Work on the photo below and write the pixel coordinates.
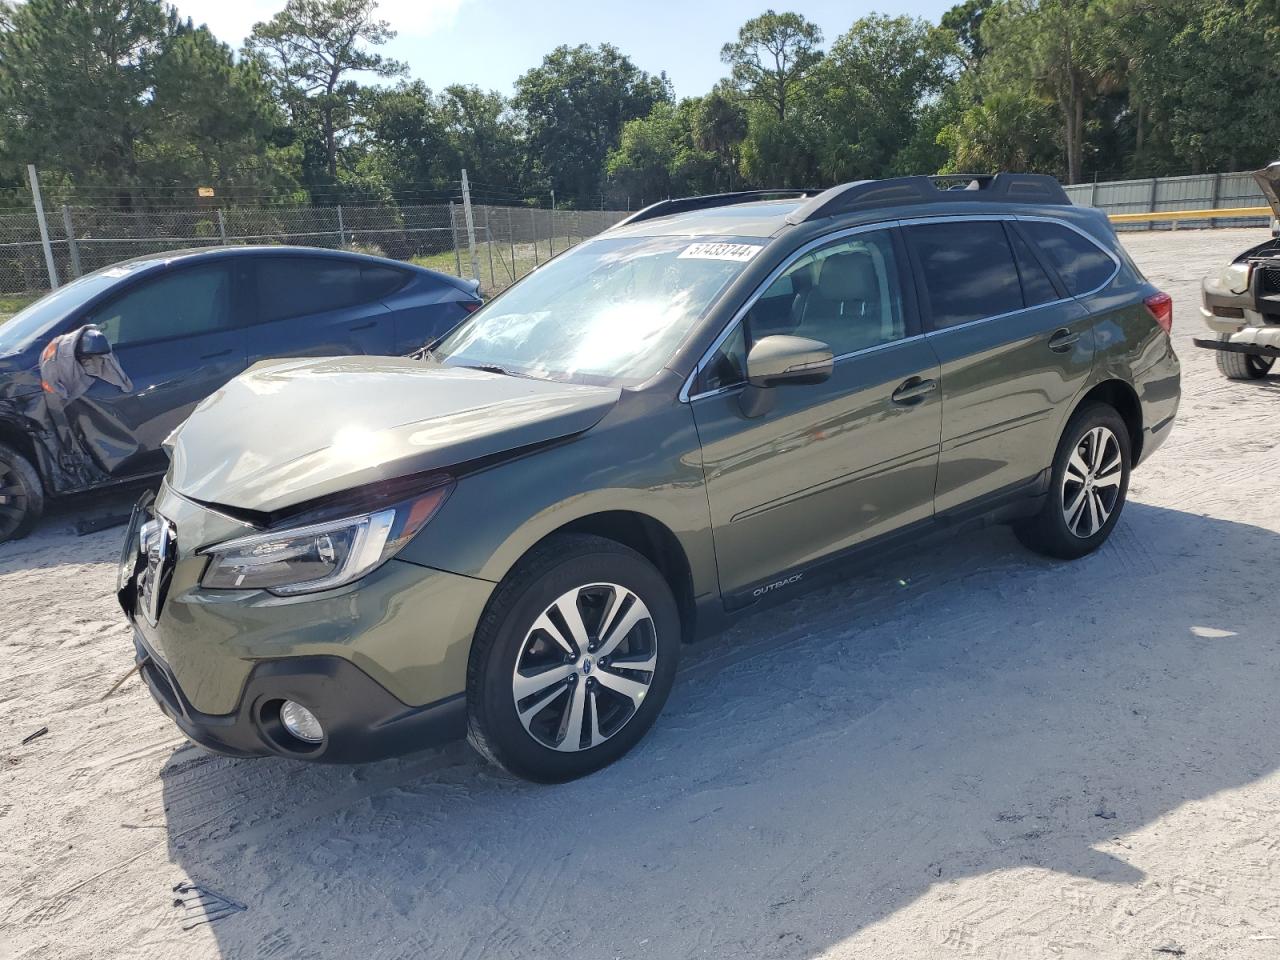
(509, 241)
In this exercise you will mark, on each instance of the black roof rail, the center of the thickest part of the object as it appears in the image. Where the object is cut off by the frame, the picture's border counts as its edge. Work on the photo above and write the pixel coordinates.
(902, 191)
(664, 208)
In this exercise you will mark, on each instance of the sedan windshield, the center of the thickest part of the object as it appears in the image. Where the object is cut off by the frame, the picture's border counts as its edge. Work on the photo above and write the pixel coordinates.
(612, 309)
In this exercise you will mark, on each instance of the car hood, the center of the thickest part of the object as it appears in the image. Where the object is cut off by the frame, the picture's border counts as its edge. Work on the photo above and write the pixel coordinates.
(285, 432)
(1268, 179)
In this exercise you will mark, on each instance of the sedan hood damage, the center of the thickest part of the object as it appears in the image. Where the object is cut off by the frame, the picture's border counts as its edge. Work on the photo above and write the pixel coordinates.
(289, 431)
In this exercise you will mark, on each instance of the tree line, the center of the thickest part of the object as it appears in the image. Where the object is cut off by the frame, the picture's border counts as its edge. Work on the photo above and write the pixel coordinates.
(121, 102)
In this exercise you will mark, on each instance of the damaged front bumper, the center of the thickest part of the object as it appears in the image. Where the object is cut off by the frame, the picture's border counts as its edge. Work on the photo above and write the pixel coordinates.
(381, 663)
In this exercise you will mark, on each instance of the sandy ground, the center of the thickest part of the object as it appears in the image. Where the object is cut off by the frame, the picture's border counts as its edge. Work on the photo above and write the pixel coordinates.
(971, 751)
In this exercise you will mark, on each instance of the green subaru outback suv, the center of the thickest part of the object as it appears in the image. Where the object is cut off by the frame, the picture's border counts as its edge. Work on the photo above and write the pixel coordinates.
(510, 535)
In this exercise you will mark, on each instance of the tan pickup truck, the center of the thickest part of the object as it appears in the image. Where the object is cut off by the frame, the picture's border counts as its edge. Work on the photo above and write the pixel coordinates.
(1241, 304)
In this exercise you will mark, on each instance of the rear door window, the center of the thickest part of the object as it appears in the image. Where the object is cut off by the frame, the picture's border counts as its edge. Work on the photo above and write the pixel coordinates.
(968, 270)
(1081, 263)
(299, 286)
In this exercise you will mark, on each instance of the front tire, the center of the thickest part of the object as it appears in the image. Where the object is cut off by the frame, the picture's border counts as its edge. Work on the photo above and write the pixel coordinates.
(573, 659)
(1243, 366)
(21, 495)
(1087, 487)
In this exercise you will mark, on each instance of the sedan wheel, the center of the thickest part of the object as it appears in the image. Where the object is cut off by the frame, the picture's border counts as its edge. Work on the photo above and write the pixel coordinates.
(21, 496)
(585, 667)
(1091, 482)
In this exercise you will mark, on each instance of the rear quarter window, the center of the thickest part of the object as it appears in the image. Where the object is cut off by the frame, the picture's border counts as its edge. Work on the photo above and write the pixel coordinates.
(1081, 263)
(381, 281)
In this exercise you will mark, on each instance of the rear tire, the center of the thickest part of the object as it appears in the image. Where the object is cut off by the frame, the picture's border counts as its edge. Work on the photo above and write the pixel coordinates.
(572, 660)
(1087, 486)
(21, 495)
(1243, 366)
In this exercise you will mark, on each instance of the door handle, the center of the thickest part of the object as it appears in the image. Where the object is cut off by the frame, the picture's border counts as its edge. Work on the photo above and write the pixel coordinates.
(913, 390)
(1063, 340)
(212, 356)
(364, 326)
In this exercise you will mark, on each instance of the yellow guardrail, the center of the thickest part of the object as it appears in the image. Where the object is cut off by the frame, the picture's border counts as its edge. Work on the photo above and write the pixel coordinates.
(1191, 214)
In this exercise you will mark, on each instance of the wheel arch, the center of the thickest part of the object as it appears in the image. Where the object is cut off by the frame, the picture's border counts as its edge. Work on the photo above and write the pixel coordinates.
(12, 435)
(650, 538)
(1122, 398)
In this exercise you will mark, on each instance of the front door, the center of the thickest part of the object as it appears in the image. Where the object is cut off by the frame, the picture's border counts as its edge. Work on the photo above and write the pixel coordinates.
(178, 338)
(834, 464)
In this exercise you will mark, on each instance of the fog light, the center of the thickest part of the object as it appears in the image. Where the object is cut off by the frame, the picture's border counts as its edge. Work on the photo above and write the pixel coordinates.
(301, 722)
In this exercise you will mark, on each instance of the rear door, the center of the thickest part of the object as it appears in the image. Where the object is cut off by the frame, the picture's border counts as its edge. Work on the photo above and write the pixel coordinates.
(177, 336)
(834, 464)
(319, 306)
(1014, 350)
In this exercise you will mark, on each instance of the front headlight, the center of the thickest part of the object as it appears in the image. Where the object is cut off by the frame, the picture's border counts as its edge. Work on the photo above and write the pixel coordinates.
(319, 556)
(1235, 277)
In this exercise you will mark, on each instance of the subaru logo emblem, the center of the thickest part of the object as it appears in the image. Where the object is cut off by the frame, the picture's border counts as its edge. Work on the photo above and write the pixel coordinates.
(586, 666)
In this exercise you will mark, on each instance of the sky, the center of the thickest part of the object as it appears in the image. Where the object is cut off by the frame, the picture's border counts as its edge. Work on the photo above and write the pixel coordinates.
(491, 42)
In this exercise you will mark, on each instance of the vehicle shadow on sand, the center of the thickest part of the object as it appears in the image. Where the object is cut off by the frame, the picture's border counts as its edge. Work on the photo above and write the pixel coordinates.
(959, 711)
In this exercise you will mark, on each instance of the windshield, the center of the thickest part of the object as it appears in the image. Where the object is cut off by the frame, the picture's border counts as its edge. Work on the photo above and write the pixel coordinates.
(39, 319)
(611, 309)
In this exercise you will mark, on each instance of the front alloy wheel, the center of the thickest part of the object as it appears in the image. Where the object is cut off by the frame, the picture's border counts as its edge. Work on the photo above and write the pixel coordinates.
(585, 667)
(572, 660)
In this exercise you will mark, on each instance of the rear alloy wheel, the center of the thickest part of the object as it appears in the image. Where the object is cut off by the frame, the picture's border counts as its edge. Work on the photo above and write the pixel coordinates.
(1243, 366)
(573, 659)
(1091, 483)
(1087, 487)
(21, 495)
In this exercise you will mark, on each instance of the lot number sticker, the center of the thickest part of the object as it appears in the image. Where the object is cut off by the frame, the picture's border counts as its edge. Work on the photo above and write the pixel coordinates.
(741, 252)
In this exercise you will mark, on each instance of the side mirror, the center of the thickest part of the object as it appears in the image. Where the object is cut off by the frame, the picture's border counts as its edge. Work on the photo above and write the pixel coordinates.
(93, 343)
(779, 360)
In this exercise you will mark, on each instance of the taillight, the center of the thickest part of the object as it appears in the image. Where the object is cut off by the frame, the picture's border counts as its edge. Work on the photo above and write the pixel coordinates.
(471, 306)
(1160, 306)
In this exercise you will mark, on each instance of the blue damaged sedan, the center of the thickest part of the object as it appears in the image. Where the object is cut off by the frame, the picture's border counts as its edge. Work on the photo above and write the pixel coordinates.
(181, 325)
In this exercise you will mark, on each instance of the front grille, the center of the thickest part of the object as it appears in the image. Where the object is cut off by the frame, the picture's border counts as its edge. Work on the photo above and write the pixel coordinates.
(1270, 280)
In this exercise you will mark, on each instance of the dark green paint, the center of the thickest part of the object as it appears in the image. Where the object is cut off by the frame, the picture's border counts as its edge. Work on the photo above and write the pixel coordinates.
(818, 470)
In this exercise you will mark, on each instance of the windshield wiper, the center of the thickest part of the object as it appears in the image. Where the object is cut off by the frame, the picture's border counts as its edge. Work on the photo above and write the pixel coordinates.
(491, 368)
